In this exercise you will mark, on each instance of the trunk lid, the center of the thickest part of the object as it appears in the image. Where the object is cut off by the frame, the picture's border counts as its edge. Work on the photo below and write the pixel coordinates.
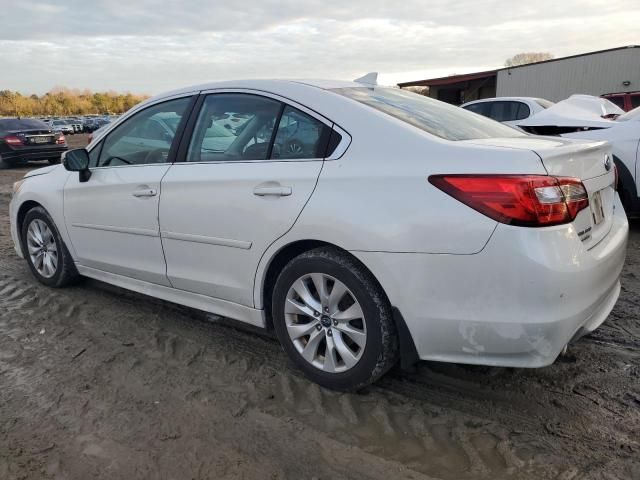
(589, 161)
(34, 137)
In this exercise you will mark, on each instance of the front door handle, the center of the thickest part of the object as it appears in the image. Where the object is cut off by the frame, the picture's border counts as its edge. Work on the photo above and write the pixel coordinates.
(145, 192)
(274, 191)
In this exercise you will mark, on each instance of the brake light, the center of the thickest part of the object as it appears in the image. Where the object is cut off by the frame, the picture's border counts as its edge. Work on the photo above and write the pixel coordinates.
(522, 200)
(61, 140)
(12, 140)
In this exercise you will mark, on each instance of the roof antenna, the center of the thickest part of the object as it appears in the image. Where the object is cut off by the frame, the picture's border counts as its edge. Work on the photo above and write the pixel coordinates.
(369, 79)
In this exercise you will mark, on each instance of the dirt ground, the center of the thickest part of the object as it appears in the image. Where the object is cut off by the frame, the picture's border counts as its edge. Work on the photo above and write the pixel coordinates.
(97, 382)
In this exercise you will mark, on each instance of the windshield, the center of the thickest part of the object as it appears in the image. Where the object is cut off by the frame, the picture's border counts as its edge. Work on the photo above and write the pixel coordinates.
(435, 117)
(630, 115)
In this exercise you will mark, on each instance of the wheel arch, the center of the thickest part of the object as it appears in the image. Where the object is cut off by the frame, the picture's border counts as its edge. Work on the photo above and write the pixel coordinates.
(22, 213)
(627, 187)
(408, 352)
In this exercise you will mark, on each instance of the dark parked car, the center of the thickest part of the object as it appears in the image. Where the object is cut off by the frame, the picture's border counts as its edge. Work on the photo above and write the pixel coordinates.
(27, 139)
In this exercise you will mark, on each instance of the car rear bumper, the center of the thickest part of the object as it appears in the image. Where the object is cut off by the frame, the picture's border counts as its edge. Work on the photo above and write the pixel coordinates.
(26, 154)
(517, 303)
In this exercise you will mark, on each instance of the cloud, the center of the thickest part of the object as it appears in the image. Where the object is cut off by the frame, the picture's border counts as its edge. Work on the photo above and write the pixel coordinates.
(146, 46)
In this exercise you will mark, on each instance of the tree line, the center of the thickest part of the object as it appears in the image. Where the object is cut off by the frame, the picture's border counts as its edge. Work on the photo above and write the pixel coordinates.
(64, 101)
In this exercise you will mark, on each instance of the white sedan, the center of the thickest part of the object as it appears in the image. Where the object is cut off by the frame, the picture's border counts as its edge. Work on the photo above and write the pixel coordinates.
(398, 228)
(508, 110)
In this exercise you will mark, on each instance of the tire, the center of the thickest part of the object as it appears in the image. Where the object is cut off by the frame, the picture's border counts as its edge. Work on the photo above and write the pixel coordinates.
(333, 268)
(65, 272)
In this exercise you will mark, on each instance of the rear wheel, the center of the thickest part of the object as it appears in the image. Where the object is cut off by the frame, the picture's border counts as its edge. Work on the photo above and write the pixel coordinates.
(47, 255)
(333, 320)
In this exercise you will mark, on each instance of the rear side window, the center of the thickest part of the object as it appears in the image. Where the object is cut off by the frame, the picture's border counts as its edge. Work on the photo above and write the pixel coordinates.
(435, 117)
(635, 101)
(479, 108)
(299, 136)
(238, 126)
(523, 111)
(234, 126)
(507, 111)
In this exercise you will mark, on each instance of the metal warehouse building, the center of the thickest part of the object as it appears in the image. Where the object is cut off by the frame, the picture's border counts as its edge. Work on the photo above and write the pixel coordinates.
(616, 70)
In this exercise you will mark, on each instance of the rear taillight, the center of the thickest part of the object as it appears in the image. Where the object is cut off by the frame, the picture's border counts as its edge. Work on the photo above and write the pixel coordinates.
(523, 200)
(12, 140)
(60, 140)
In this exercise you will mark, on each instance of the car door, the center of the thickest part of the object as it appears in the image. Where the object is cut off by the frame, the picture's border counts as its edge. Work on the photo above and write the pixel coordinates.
(227, 199)
(112, 218)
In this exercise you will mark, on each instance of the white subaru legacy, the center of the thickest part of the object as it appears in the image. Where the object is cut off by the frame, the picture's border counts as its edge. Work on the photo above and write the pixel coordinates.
(366, 225)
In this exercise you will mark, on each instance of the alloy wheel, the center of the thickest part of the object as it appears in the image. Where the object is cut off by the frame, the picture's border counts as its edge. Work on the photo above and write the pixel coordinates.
(325, 322)
(42, 248)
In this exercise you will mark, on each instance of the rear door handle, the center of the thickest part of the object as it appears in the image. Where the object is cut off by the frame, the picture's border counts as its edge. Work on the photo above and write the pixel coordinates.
(274, 191)
(145, 192)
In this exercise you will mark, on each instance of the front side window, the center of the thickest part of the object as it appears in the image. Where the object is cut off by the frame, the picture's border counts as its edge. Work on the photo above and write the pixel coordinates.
(435, 117)
(144, 138)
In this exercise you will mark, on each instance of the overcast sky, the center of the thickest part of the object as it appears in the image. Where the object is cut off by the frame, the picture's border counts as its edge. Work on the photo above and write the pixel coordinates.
(146, 46)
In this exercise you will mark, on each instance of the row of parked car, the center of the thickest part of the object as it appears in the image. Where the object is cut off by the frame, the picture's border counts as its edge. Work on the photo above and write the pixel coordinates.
(73, 125)
(579, 116)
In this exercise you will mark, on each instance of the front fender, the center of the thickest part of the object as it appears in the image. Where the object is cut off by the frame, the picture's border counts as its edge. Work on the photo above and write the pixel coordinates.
(46, 190)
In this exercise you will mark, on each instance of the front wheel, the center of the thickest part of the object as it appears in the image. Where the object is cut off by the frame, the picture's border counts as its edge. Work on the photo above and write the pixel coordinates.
(47, 255)
(333, 320)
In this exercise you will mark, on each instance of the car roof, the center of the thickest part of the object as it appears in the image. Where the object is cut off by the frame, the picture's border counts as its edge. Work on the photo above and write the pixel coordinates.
(260, 84)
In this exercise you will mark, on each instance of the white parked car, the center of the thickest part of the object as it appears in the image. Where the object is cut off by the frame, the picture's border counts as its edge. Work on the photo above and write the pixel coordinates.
(403, 228)
(61, 126)
(508, 110)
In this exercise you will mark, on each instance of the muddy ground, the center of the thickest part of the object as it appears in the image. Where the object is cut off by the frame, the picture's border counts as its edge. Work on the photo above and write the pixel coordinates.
(96, 382)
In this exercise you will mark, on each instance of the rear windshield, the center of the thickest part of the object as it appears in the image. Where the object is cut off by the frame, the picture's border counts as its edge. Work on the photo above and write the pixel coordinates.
(433, 116)
(21, 124)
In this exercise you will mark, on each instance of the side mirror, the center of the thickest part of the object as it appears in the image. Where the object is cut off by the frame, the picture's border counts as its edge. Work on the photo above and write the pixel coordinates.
(77, 161)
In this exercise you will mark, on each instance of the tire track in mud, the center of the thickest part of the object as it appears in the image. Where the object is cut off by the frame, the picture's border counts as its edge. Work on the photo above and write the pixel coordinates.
(254, 370)
(393, 429)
